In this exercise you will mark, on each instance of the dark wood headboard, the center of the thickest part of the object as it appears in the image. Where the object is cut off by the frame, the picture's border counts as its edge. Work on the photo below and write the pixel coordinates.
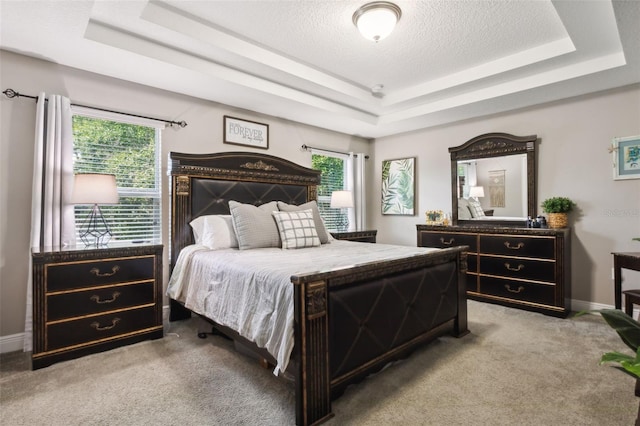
(204, 184)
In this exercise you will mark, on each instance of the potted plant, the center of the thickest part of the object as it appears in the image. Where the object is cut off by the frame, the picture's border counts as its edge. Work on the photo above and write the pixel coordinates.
(557, 208)
(629, 331)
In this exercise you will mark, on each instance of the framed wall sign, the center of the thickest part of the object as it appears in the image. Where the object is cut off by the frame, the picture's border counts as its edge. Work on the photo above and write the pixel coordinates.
(398, 182)
(245, 133)
(626, 157)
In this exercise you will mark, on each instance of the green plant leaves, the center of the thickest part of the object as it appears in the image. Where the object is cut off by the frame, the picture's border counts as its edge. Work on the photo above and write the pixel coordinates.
(628, 364)
(627, 328)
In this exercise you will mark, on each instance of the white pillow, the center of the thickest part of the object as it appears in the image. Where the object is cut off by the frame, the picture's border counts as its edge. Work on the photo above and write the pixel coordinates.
(463, 209)
(321, 229)
(218, 232)
(297, 229)
(475, 208)
(254, 226)
(197, 226)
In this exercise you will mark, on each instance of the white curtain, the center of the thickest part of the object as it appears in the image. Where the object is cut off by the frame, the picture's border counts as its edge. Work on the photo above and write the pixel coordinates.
(360, 191)
(52, 219)
(356, 183)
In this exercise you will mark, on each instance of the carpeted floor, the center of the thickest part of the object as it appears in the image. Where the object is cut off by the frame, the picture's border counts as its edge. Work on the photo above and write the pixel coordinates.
(515, 368)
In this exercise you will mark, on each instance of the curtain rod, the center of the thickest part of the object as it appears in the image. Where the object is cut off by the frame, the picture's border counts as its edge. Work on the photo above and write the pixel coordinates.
(307, 148)
(10, 93)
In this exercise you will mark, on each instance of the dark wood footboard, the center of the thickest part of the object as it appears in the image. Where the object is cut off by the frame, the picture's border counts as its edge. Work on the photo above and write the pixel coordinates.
(349, 323)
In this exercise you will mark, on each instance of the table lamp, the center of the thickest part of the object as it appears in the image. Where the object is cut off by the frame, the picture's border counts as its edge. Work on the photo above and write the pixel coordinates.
(95, 188)
(341, 200)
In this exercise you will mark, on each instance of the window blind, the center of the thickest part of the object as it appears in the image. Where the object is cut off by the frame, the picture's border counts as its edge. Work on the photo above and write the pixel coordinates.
(130, 151)
(333, 168)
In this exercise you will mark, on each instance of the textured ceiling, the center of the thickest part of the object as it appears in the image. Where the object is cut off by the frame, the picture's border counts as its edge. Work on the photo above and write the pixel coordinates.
(305, 61)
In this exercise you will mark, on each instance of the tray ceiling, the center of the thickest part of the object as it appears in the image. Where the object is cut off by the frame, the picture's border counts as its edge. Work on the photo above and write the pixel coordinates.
(305, 60)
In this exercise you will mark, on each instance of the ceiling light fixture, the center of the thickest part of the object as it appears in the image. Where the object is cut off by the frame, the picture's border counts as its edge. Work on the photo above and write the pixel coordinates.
(376, 20)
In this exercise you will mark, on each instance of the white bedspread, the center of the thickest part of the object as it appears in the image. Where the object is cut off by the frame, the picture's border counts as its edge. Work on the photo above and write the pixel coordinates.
(251, 292)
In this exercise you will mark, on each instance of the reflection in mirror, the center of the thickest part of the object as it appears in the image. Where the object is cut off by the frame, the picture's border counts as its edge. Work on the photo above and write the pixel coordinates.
(502, 181)
(493, 180)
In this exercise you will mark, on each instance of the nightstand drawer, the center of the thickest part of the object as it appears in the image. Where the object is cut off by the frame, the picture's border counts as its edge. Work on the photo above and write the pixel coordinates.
(518, 290)
(444, 240)
(84, 274)
(93, 301)
(537, 270)
(512, 245)
(97, 328)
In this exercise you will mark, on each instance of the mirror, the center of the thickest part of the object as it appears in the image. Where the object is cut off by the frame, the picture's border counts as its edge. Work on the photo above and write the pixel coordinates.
(493, 180)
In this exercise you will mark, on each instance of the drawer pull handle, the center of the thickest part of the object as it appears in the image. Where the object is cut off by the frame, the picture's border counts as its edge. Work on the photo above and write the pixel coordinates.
(97, 273)
(96, 325)
(448, 243)
(519, 268)
(96, 298)
(510, 290)
(517, 247)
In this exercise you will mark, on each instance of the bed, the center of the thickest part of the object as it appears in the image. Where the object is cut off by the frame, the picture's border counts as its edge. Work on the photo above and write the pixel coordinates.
(348, 321)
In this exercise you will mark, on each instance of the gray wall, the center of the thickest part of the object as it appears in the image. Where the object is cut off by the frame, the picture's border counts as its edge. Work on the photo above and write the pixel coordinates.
(203, 134)
(573, 161)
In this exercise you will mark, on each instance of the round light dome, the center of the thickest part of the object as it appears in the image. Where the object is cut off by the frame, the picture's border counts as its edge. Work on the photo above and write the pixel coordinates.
(376, 20)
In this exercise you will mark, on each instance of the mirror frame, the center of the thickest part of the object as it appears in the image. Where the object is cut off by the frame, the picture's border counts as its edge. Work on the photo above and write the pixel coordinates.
(495, 145)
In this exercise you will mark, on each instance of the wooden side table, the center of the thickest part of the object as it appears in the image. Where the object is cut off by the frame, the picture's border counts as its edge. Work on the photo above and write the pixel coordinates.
(88, 300)
(367, 236)
(629, 260)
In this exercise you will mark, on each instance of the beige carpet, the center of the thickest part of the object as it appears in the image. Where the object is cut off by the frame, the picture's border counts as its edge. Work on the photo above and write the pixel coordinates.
(515, 368)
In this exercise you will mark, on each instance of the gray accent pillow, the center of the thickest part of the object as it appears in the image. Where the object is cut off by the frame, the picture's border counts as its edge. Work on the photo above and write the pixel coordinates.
(463, 209)
(323, 234)
(254, 226)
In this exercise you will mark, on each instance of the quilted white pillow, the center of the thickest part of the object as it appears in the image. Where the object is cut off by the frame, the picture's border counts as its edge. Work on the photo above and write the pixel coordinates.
(297, 229)
(321, 229)
(475, 208)
(254, 226)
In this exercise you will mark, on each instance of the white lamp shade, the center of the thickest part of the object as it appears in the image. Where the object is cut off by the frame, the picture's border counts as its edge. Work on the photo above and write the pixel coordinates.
(476, 191)
(341, 199)
(94, 188)
(376, 20)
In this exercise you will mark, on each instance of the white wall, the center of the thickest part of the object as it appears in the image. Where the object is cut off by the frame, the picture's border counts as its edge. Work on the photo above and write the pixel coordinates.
(202, 135)
(573, 161)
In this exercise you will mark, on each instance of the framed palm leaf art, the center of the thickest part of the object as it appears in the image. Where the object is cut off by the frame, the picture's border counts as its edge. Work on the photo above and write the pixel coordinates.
(398, 186)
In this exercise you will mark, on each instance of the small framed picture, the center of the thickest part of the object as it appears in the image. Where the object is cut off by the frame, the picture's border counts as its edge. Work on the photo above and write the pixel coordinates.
(246, 133)
(434, 217)
(626, 158)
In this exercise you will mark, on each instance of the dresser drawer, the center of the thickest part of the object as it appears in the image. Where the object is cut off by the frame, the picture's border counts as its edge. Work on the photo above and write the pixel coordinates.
(84, 274)
(93, 301)
(445, 239)
(513, 245)
(93, 329)
(537, 270)
(518, 290)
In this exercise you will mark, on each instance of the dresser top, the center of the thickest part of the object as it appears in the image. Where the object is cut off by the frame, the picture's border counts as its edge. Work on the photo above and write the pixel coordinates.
(81, 248)
(484, 229)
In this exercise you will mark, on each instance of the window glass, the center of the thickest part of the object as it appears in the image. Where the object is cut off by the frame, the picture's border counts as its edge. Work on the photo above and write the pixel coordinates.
(131, 153)
(333, 169)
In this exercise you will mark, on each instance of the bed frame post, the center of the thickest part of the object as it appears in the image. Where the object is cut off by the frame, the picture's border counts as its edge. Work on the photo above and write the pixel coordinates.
(313, 384)
(460, 327)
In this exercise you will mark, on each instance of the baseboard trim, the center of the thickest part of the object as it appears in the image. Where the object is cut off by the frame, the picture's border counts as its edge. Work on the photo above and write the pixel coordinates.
(15, 342)
(11, 343)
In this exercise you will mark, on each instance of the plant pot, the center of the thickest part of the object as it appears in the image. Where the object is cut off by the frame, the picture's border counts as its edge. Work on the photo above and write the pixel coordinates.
(558, 220)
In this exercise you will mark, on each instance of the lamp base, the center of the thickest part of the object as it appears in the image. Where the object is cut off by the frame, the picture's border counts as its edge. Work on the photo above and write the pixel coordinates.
(96, 232)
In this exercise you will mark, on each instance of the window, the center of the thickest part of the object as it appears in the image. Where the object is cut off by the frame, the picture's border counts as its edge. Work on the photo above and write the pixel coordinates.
(130, 149)
(334, 169)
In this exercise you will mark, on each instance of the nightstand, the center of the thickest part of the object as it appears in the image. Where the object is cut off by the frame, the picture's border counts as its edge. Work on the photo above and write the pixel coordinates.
(88, 300)
(368, 236)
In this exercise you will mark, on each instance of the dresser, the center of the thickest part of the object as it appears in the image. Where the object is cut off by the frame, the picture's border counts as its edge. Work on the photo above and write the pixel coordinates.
(88, 300)
(527, 268)
(366, 236)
